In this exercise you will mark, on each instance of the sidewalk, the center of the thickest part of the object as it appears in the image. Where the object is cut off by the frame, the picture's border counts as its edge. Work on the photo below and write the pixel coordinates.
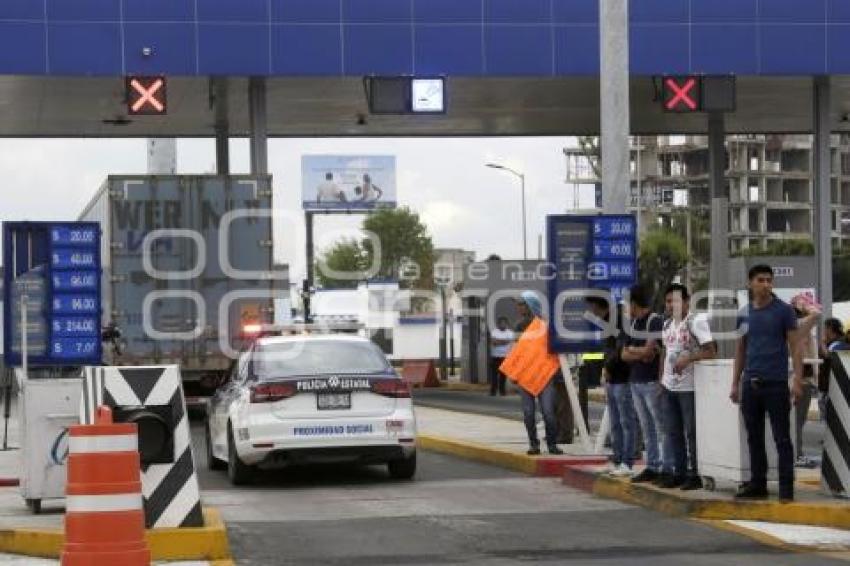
(503, 442)
(24, 535)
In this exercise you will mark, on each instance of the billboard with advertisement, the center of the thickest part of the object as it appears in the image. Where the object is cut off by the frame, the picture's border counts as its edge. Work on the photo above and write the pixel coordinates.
(348, 182)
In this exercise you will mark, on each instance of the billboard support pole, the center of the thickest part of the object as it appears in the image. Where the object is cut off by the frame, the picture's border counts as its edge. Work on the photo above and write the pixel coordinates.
(308, 280)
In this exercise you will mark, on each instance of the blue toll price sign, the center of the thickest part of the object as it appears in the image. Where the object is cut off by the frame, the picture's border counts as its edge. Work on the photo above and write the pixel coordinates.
(85, 236)
(74, 349)
(74, 259)
(75, 326)
(57, 265)
(76, 281)
(592, 255)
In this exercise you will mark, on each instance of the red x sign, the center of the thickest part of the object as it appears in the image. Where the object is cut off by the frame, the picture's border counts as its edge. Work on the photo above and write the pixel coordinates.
(146, 95)
(681, 94)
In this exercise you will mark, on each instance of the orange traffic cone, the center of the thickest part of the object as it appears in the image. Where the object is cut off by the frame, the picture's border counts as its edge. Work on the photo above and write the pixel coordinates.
(104, 517)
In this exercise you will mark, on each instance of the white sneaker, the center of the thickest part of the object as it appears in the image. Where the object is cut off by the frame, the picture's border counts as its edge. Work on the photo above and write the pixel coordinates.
(622, 471)
(611, 468)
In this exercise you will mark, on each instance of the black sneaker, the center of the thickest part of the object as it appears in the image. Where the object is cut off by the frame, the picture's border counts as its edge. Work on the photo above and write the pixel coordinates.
(534, 451)
(661, 478)
(646, 475)
(691, 484)
(749, 491)
(670, 482)
(555, 451)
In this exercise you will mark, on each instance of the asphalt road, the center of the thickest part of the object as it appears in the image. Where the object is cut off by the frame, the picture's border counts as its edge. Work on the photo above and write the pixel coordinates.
(480, 402)
(457, 512)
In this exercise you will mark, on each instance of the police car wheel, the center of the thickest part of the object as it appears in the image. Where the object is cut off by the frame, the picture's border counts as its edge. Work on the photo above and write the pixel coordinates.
(213, 463)
(238, 472)
(403, 469)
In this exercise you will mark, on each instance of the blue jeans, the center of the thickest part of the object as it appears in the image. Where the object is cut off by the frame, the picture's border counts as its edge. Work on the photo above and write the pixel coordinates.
(647, 397)
(621, 413)
(547, 399)
(680, 436)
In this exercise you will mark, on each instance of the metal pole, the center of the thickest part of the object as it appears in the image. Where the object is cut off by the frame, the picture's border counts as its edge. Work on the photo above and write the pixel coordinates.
(719, 267)
(614, 104)
(308, 281)
(822, 190)
(443, 362)
(7, 404)
(639, 188)
(451, 342)
(24, 338)
(222, 126)
(259, 126)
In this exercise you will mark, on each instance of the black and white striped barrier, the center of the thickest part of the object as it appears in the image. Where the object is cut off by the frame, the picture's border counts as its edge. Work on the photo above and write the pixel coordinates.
(835, 467)
(152, 396)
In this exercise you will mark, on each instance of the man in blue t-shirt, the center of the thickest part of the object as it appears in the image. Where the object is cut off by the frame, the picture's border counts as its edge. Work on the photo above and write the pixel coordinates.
(768, 332)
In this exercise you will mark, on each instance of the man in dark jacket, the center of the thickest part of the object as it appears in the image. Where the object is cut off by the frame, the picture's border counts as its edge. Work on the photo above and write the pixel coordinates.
(615, 374)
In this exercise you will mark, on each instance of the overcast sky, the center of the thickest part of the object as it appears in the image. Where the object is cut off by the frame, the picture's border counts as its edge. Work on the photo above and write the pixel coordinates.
(464, 204)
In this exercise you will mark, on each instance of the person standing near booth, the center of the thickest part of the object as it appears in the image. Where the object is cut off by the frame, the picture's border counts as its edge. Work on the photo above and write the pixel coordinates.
(534, 369)
(767, 329)
(501, 340)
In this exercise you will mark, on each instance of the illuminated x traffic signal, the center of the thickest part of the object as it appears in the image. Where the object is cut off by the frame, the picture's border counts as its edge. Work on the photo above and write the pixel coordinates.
(698, 93)
(682, 94)
(146, 95)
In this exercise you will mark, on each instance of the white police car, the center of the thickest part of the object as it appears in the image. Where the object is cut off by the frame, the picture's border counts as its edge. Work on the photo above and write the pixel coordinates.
(311, 399)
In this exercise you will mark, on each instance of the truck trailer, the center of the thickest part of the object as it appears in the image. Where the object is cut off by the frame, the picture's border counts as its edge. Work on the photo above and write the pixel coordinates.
(188, 272)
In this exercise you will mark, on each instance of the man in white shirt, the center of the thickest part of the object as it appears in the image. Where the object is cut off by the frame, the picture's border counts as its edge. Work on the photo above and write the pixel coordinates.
(501, 341)
(328, 191)
(687, 339)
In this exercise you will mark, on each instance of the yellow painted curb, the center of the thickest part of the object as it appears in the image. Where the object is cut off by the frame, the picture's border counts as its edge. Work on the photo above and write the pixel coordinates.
(193, 543)
(816, 514)
(477, 452)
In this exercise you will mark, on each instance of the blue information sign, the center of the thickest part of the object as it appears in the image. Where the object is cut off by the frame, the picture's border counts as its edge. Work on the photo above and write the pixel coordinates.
(590, 254)
(65, 310)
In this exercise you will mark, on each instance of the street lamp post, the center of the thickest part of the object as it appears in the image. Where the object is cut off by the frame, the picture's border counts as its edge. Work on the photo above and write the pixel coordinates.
(521, 177)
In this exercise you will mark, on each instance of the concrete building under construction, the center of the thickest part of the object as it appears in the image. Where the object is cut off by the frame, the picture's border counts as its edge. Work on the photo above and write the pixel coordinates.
(769, 182)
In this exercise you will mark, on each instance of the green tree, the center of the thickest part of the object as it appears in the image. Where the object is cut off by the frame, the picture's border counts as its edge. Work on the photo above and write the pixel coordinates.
(346, 256)
(407, 252)
(663, 254)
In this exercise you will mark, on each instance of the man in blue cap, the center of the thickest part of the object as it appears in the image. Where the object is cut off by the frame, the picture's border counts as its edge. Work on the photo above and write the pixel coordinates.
(529, 308)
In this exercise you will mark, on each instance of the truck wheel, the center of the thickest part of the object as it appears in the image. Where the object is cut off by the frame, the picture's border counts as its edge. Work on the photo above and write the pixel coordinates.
(238, 472)
(213, 463)
(403, 469)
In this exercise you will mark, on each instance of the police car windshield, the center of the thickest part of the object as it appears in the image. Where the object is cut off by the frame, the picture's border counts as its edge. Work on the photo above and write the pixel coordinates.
(320, 357)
